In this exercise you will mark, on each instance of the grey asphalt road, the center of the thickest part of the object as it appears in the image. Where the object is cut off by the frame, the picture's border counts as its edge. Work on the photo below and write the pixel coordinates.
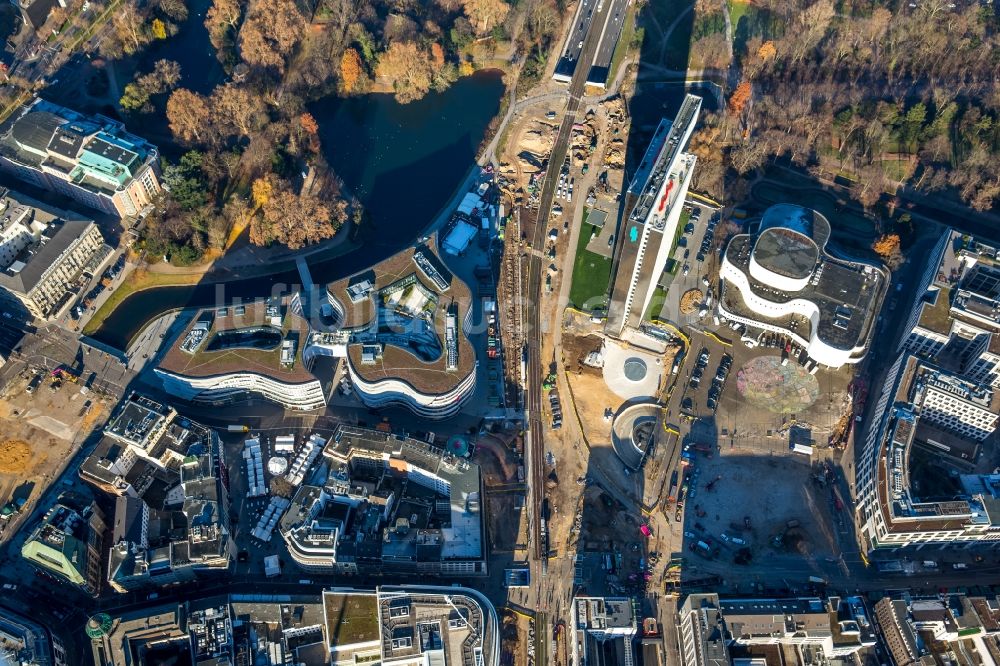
(574, 45)
(610, 32)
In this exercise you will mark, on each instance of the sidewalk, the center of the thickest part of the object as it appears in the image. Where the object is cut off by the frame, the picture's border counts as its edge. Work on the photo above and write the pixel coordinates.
(251, 261)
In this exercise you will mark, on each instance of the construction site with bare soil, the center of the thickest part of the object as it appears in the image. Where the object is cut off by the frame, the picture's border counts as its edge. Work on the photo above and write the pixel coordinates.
(590, 180)
(576, 399)
(43, 419)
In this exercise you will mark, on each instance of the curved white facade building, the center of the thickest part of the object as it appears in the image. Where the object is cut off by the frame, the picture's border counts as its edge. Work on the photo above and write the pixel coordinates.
(402, 334)
(230, 354)
(234, 386)
(783, 279)
(397, 392)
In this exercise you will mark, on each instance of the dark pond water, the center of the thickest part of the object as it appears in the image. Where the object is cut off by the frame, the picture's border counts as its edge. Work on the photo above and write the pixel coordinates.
(191, 49)
(402, 161)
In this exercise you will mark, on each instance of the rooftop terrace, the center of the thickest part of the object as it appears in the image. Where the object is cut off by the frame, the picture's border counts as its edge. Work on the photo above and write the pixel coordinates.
(402, 306)
(351, 618)
(216, 352)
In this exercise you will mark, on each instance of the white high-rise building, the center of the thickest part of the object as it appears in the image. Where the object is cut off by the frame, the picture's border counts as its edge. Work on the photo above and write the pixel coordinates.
(653, 205)
(956, 320)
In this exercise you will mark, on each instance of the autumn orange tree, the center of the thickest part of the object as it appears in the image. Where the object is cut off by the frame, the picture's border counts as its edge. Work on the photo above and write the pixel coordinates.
(310, 128)
(738, 100)
(437, 55)
(887, 246)
(351, 69)
(308, 123)
(262, 190)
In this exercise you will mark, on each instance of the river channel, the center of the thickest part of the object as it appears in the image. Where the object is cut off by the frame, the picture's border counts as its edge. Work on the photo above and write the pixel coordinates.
(402, 161)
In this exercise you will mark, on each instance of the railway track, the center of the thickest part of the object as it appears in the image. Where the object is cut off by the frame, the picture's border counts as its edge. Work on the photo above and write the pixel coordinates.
(535, 458)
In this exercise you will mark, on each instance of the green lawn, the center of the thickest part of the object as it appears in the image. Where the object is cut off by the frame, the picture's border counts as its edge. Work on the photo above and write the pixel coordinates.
(683, 222)
(656, 304)
(591, 274)
(737, 9)
(137, 281)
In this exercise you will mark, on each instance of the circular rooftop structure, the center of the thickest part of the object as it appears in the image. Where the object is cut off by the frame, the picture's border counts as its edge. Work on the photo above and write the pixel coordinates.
(458, 446)
(98, 626)
(277, 465)
(631, 374)
(633, 431)
(634, 369)
(786, 252)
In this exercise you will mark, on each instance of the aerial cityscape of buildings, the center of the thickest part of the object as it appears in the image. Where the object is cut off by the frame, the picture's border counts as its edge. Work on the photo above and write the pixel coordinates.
(648, 427)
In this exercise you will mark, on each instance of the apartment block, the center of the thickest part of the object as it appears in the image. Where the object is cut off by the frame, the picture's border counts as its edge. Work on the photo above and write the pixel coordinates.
(955, 323)
(955, 629)
(171, 518)
(391, 503)
(452, 626)
(720, 632)
(926, 419)
(91, 159)
(45, 253)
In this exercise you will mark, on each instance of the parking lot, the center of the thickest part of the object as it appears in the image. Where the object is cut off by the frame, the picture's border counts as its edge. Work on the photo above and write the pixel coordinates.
(706, 383)
(695, 265)
(747, 492)
(767, 399)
